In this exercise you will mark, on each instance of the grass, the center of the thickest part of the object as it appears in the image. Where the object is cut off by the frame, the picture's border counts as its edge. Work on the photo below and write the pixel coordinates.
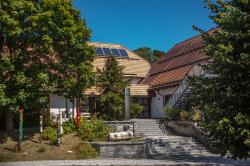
(42, 149)
(85, 151)
(6, 157)
(32, 149)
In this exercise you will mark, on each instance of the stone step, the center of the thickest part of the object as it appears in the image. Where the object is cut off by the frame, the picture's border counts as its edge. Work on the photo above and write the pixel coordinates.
(177, 145)
(179, 156)
(172, 139)
(148, 128)
(150, 133)
(144, 130)
(187, 150)
(181, 148)
(179, 152)
(148, 125)
(181, 142)
(146, 135)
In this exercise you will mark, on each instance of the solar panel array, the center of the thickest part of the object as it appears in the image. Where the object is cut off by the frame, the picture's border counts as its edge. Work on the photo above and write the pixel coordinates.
(103, 51)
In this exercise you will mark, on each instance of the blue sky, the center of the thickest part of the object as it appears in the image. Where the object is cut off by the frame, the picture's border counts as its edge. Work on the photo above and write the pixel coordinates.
(159, 24)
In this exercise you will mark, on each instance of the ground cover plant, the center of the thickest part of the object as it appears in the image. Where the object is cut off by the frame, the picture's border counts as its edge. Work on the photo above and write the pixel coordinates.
(93, 130)
(85, 151)
(50, 134)
(32, 149)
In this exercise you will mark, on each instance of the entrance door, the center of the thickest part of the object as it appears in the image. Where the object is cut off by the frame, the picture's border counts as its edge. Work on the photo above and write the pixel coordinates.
(89, 105)
(145, 102)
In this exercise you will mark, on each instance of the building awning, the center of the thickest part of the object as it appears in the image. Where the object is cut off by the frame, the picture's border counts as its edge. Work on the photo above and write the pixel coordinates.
(139, 90)
(136, 90)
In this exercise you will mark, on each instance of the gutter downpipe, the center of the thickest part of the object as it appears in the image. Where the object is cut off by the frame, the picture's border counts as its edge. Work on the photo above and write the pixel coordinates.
(162, 99)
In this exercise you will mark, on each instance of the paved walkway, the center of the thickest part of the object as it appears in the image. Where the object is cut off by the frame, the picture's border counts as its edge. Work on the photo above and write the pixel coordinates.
(131, 162)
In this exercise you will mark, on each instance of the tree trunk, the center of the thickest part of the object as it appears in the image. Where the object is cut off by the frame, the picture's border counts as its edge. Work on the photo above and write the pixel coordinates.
(9, 121)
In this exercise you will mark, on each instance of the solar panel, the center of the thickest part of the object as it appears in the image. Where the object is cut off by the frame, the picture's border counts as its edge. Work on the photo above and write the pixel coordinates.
(115, 51)
(106, 51)
(99, 51)
(123, 53)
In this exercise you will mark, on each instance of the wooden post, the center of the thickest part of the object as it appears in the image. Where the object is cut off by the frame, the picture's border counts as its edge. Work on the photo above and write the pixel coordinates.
(78, 115)
(41, 128)
(60, 122)
(20, 131)
(73, 109)
(58, 130)
(133, 128)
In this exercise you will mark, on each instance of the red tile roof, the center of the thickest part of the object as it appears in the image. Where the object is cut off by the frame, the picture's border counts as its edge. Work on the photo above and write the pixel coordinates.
(175, 65)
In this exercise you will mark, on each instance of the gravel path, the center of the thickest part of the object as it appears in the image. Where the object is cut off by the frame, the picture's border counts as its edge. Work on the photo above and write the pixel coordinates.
(130, 162)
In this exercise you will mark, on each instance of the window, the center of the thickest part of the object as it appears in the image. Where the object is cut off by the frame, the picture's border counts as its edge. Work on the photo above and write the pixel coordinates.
(165, 100)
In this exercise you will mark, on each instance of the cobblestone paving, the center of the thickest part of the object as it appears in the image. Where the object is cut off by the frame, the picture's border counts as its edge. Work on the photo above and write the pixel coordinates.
(131, 162)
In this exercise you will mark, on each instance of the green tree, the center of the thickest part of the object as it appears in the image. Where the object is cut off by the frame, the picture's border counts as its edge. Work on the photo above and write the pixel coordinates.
(43, 50)
(113, 83)
(149, 54)
(225, 94)
(136, 110)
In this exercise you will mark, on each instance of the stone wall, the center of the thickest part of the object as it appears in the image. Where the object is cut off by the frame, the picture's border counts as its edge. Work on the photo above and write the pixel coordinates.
(182, 128)
(120, 149)
(187, 129)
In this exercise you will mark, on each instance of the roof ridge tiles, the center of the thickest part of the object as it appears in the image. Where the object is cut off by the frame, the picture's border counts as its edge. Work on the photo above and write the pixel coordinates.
(176, 67)
(91, 42)
(187, 40)
(183, 53)
(195, 37)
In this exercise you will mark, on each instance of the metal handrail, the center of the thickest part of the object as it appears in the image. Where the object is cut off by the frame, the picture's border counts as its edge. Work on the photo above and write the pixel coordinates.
(182, 88)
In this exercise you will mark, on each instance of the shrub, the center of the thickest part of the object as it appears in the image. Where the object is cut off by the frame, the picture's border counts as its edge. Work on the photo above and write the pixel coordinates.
(93, 130)
(184, 115)
(85, 151)
(197, 116)
(136, 110)
(3, 137)
(172, 114)
(69, 127)
(50, 134)
(51, 121)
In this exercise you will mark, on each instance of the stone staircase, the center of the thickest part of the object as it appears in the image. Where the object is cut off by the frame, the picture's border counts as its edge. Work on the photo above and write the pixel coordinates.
(183, 92)
(163, 147)
(181, 102)
(147, 127)
(163, 144)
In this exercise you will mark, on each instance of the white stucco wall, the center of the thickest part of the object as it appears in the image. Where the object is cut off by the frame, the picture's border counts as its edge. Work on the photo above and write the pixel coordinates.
(157, 102)
(59, 102)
